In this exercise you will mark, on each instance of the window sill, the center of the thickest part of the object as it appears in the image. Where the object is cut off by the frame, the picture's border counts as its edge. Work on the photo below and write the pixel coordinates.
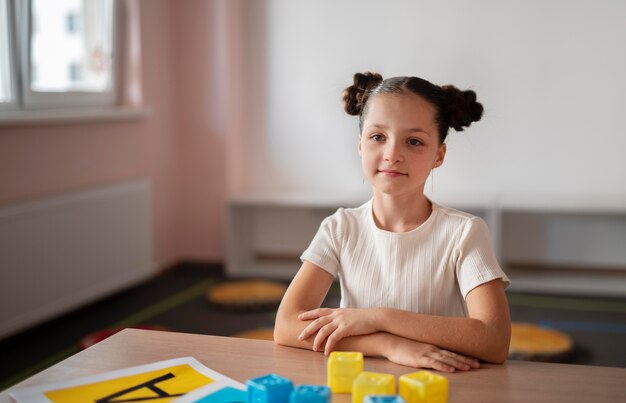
(76, 115)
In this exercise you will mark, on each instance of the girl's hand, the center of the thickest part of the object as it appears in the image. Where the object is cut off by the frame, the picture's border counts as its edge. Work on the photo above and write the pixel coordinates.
(332, 325)
(420, 355)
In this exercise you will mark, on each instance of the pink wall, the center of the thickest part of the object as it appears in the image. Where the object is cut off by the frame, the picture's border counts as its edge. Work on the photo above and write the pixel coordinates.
(177, 147)
(200, 175)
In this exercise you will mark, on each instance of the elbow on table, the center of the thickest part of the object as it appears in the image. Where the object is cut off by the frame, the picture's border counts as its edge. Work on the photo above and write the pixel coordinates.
(498, 356)
(498, 350)
(495, 341)
(282, 335)
(279, 337)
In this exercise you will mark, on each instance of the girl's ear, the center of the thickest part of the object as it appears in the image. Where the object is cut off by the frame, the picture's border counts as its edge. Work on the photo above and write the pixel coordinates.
(359, 146)
(441, 155)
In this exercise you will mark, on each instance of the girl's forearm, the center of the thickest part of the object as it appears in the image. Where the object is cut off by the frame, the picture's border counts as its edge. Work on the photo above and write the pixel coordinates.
(287, 330)
(403, 351)
(371, 345)
(397, 349)
(468, 336)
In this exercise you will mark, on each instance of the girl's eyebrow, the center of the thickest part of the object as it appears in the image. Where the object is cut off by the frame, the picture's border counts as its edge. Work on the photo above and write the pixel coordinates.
(412, 130)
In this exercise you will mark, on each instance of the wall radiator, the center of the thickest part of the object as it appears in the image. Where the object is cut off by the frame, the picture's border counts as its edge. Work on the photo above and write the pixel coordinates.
(61, 252)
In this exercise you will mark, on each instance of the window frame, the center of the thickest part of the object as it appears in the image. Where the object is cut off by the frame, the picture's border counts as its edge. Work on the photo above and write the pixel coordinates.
(12, 65)
(26, 98)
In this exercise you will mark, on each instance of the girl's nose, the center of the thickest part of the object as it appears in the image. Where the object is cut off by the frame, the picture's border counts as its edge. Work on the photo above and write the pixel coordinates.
(392, 152)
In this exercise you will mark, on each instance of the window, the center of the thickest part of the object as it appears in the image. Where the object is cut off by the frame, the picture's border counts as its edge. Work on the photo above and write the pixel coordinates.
(57, 53)
(72, 22)
(75, 72)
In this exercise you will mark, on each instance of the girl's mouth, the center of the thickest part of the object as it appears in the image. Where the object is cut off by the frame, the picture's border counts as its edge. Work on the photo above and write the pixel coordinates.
(391, 172)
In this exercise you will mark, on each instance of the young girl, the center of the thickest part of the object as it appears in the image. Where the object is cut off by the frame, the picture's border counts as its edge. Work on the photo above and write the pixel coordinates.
(420, 283)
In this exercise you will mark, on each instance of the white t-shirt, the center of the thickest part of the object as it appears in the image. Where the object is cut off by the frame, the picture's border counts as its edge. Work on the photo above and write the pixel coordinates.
(427, 270)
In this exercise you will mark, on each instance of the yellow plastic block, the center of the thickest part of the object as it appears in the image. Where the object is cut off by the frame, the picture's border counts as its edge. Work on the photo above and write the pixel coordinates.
(372, 383)
(343, 368)
(423, 387)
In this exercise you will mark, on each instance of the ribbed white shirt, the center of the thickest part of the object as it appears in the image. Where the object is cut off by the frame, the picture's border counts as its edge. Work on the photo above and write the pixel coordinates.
(427, 270)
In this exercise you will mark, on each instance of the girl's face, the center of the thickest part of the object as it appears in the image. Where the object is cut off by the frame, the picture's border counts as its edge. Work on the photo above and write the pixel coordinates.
(399, 143)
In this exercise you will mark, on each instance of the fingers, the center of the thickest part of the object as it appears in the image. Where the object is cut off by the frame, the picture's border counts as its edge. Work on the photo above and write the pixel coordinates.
(322, 335)
(332, 340)
(448, 361)
(438, 365)
(472, 362)
(438, 362)
(420, 355)
(312, 328)
(322, 328)
(326, 331)
(314, 314)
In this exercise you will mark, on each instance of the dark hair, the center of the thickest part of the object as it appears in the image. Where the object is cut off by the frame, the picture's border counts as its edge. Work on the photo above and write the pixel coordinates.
(454, 108)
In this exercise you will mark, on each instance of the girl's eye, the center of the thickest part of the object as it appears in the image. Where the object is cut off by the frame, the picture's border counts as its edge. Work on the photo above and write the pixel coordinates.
(377, 137)
(415, 142)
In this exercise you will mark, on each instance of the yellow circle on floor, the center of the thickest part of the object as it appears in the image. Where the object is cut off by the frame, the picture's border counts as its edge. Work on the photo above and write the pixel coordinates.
(531, 342)
(242, 294)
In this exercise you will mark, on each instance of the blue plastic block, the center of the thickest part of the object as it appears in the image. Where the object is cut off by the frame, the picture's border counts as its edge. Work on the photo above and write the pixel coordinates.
(269, 388)
(383, 399)
(310, 394)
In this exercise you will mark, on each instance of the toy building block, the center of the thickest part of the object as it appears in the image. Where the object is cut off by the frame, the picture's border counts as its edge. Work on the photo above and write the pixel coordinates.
(343, 368)
(269, 388)
(372, 383)
(424, 387)
(310, 394)
(383, 399)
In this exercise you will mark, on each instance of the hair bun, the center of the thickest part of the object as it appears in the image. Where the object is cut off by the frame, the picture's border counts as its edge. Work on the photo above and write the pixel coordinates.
(462, 107)
(355, 96)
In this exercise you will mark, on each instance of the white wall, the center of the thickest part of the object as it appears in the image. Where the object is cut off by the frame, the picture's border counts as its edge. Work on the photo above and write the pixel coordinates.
(549, 73)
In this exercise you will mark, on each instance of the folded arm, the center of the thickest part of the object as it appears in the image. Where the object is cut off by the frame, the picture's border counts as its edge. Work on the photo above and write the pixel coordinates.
(306, 294)
(485, 334)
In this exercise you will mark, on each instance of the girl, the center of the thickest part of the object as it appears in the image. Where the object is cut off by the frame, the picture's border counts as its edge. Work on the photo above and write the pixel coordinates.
(420, 283)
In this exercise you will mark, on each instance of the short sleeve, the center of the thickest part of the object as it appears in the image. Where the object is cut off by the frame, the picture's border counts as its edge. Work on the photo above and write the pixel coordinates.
(477, 263)
(324, 249)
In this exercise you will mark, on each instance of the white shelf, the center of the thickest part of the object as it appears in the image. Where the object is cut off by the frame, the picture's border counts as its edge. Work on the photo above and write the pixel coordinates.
(551, 232)
(566, 204)
(569, 282)
(260, 227)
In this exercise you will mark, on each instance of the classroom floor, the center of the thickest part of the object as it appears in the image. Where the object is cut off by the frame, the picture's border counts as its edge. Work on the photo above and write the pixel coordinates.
(176, 299)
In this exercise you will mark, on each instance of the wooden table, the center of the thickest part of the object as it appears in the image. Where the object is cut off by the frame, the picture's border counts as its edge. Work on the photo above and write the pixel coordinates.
(241, 359)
